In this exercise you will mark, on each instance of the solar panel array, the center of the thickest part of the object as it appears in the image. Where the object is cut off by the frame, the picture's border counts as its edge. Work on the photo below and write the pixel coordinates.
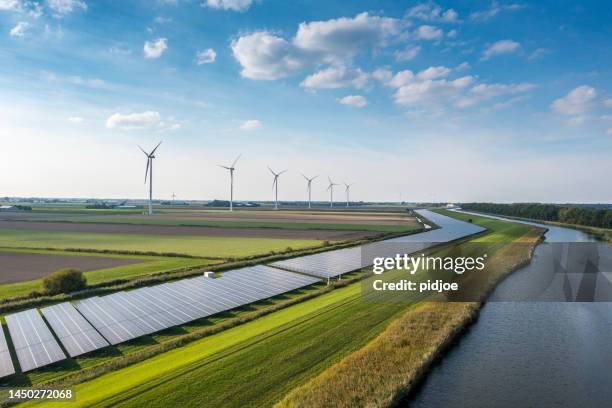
(123, 316)
(32, 339)
(339, 262)
(6, 363)
(73, 331)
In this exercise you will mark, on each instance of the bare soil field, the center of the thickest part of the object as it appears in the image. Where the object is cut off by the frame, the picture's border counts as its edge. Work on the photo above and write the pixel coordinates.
(329, 235)
(18, 267)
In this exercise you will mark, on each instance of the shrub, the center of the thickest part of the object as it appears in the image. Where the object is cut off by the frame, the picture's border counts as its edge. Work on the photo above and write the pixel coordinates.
(64, 281)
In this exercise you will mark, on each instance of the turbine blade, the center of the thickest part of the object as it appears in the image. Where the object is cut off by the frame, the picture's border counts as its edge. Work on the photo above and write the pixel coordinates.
(274, 182)
(271, 171)
(153, 151)
(147, 170)
(284, 171)
(143, 150)
(236, 161)
(225, 167)
(315, 177)
(305, 177)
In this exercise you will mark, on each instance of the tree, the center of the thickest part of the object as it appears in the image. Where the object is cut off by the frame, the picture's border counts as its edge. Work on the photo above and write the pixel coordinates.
(64, 281)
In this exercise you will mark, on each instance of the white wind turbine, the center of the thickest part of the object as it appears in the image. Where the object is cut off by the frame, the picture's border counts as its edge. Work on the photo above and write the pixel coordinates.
(331, 191)
(309, 187)
(275, 186)
(149, 173)
(231, 170)
(347, 188)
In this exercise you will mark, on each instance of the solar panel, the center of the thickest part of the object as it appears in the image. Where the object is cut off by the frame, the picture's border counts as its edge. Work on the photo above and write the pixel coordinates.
(34, 344)
(6, 363)
(325, 264)
(111, 324)
(74, 332)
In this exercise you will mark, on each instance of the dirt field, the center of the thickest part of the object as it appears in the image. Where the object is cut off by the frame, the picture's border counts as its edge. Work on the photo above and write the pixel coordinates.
(18, 267)
(329, 235)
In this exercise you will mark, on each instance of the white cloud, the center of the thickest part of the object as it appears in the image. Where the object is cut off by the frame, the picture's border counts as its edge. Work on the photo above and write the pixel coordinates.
(64, 7)
(577, 120)
(354, 100)
(134, 121)
(345, 37)
(251, 124)
(264, 55)
(500, 47)
(538, 53)
(234, 5)
(452, 33)
(206, 56)
(429, 92)
(155, 49)
(427, 32)
(483, 92)
(337, 76)
(10, 5)
(432, 12)
(464, 66)
(20, 29)
(494, 10)
(408, 53)
(608, 103)
(434, 73)
(576, 102)
(75, 119)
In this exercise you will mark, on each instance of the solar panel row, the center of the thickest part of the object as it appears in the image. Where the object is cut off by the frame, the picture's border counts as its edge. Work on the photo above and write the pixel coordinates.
(6, 363)
(33, 341)
(73, 331)
(123, 316)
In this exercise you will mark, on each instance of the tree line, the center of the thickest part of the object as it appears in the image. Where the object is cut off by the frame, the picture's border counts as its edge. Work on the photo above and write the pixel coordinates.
(593, 217)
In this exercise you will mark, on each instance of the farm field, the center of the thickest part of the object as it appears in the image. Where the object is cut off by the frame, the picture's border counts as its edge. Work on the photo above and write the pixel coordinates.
(260, 361)
(200, 246)
(35, 264)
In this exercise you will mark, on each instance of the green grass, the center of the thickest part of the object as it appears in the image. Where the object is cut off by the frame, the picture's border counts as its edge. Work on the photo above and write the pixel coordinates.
(285, 225)
(203, 246)
(150, 265)
(258, 362)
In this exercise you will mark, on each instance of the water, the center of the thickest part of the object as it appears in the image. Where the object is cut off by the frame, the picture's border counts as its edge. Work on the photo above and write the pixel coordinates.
(526, 354)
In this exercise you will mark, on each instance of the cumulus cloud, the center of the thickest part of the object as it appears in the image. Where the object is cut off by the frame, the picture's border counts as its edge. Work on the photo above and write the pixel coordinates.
(251, 124)
(499, 48)
(264, 55)
(155, 49)
(10, 5)
(432, 87)
(337, 76)
(427, 32)
(134, 121)
(577, 102)
(64, 7)
(495, 9)
(20, 29)
(206, 56)
(234, 5)
(433, 12)
(408, 53)
(357, 101)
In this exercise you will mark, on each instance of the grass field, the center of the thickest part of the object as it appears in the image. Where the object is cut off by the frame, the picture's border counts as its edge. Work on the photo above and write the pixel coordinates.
(258, 362)
(202, 246)
(150, 265)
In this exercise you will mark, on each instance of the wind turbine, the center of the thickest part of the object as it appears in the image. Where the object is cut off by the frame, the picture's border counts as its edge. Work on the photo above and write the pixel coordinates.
(149, 173)
(331, 191)
(231, 170)
(347, 188)
(275, 186)
(309, 180)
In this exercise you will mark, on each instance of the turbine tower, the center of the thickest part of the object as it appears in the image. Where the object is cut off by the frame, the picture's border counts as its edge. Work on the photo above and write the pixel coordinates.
(275, 186)
(347, 188)
(231, 170)
(149, 173)
(331, 191)
(309, 187)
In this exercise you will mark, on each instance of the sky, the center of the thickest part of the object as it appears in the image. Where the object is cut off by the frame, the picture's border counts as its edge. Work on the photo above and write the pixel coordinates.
(424, 101)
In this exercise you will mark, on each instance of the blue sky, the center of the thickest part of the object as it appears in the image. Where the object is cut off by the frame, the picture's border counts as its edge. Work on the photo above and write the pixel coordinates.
(453, 101)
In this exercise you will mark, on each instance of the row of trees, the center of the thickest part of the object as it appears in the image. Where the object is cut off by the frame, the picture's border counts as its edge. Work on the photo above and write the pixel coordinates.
(593, 217)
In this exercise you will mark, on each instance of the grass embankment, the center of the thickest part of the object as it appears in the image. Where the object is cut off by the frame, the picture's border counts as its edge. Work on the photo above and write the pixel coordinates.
(384, 371)
(201, 246)
(256, 363)
(150, 265)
